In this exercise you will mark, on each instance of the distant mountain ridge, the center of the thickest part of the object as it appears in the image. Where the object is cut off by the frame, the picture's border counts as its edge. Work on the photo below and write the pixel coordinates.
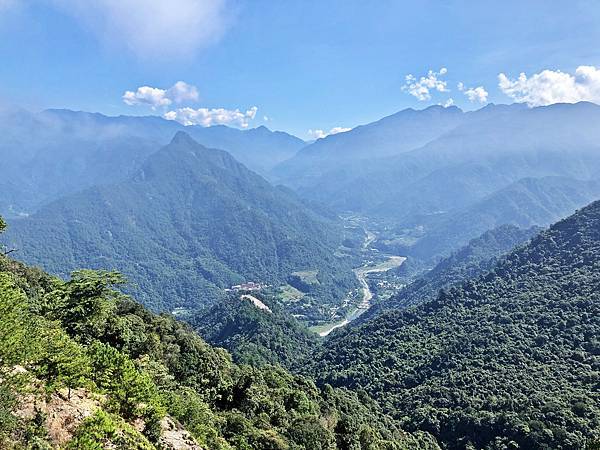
(471, 161)
(392, 135)
(58, 152)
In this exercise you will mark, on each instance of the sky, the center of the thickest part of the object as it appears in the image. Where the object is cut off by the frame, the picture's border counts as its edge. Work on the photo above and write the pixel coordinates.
(306, 67)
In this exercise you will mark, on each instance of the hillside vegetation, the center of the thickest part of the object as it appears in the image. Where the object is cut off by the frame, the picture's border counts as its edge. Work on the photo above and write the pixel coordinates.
(253, 335)
(471, 261)
(510, 359)
(125, 378)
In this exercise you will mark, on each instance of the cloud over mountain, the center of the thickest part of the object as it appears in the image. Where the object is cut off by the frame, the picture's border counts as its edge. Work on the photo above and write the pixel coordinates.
(477, 94)
(421, 88)
(553, 86)
(207, 117)
(318, 134)
(180, 92)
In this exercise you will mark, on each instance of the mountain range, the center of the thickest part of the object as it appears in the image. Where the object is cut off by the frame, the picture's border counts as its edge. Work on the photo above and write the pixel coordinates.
(47, 155)
(492, 344)
(452, 175)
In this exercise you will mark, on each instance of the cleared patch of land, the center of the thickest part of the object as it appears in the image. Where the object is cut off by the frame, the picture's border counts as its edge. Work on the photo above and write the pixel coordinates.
(259, 304)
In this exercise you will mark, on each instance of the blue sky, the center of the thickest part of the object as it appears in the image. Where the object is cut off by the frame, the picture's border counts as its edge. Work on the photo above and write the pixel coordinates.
(303, 65)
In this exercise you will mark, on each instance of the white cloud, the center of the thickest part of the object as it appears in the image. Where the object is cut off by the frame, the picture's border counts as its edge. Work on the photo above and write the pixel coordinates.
(146, 95)
(180, 92)
(319, 134)
(421, 88)
(152, 28)
(208, 117)
(553, 86)
(477, 94)
(448, 103)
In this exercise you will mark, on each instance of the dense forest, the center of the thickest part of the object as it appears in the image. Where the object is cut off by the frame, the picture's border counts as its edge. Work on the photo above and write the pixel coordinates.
(253, 335)
(83, 366)
(470, 261)
(510, 359)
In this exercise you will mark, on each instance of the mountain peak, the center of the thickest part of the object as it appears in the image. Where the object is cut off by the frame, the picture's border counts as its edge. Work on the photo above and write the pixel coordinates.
(182, 138)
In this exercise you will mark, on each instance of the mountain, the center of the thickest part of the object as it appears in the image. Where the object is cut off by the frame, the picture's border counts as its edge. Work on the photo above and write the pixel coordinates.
(83, 367)
(57, 152)
(392, 135)
(259, 149)
(188, 223)
(507, 360)
(525, 203)
(497, 151)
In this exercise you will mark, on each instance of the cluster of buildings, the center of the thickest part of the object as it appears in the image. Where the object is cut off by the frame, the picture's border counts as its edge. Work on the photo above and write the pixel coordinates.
(249, 286)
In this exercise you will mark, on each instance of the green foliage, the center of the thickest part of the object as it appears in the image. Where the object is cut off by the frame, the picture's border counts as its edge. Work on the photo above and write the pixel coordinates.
(187, 406)
(131, 393)
(472, 260)
(14, 330)
(146, 365)
(252, 335)
(8, 403)
(509, 358)
(60, 360)
(84, 303)
(102, 429)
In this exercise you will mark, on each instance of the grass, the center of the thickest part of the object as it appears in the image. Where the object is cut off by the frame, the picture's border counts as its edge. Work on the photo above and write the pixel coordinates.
(289, 294)
(307, 276)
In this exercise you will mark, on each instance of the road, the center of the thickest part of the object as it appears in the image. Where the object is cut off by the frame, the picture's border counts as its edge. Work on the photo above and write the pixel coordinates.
(361, 274)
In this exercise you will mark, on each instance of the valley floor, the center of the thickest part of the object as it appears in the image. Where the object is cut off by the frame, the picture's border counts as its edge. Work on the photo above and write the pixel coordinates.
(362, 274)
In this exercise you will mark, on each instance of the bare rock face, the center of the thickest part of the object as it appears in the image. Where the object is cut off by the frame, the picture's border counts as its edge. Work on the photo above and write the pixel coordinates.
(63, 414)
(174, 437)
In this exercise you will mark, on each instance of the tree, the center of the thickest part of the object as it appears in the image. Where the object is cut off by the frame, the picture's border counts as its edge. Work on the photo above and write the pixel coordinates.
(2, 229)
(85, 303)
(13, 334)
(63, 361)
(131, 392)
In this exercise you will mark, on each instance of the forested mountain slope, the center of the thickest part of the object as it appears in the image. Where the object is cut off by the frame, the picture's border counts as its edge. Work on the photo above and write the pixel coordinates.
(191, 221)
(470, 261)
(82, 367)
(46, 155)
(253, 335)
(525, 203)
(508, 360)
